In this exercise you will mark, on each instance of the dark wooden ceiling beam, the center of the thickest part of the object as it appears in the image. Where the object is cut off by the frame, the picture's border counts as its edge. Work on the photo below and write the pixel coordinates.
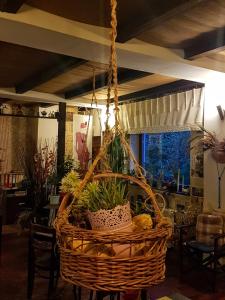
(159, 12)
(11, 6)
(206, 43)
(161, 90)
(124, 75)
(64, 64)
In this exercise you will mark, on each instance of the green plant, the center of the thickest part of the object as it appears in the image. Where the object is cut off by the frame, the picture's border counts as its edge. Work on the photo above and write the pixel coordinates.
(70, 182)
(69, 165)
(116, 155)
(103, 195)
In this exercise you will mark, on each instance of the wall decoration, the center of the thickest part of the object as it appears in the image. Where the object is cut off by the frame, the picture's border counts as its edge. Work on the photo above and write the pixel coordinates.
(82, 140)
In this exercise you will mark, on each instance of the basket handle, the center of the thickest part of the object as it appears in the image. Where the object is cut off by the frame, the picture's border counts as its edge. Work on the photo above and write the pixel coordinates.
(64, 204)
(142, 184)
(66, 209)
(163, 200)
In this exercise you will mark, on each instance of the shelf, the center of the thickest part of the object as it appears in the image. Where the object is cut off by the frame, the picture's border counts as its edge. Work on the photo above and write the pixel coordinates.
(27, 116)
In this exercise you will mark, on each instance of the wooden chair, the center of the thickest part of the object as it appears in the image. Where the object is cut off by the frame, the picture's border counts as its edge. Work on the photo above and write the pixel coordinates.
(203, 247)
(1, 221)
(117, 295)
(0, 237)
(43, 258)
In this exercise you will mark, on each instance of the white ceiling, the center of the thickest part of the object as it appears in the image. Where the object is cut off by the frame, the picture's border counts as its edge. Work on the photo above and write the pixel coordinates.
(41, 30)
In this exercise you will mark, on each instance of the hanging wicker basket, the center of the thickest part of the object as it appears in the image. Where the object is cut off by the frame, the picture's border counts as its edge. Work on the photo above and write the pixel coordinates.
(120, 259)
(143, 264)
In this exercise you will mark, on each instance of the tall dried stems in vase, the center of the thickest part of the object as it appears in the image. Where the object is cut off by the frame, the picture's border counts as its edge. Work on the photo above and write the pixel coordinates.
(44, 170)
(39, 167)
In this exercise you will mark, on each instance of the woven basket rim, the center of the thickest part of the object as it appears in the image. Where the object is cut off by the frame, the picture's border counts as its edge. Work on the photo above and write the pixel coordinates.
(160, 230)
(116, 236)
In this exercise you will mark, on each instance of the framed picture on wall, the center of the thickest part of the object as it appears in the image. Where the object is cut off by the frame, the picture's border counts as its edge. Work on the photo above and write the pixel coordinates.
(82, 140)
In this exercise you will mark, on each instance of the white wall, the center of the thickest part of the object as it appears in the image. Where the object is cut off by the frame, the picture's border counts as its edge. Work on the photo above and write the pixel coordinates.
(48, 128)
(214, 95)
(97, 129)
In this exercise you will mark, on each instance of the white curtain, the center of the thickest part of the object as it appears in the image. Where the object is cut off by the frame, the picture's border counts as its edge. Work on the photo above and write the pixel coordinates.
(176, 112)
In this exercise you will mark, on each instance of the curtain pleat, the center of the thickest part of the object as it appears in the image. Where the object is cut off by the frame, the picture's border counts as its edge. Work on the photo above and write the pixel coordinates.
(176, 112)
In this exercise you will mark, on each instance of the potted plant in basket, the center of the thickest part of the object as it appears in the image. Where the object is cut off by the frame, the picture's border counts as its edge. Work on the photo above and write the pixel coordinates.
(106, 204)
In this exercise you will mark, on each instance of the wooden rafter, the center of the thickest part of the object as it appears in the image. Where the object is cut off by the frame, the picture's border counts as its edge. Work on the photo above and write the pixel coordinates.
(65, 63)
(205, 43)
(11, 6)
(159, 12)
(159, 91)
(124, 75)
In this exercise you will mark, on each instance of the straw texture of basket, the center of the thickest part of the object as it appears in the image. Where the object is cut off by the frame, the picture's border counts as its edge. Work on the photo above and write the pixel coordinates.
(143, 264)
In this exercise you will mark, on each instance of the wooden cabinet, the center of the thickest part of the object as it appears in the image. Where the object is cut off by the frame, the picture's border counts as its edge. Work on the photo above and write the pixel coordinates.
(11, 205)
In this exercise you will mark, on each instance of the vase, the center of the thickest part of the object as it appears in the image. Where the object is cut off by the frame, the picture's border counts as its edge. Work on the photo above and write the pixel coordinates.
(218, 153)
(113, 219)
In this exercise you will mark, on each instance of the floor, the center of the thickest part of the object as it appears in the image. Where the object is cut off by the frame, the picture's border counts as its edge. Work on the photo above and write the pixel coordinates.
(13, 277)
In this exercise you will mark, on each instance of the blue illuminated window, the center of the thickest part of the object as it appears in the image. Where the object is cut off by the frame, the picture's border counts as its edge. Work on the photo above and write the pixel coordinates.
(166, 157)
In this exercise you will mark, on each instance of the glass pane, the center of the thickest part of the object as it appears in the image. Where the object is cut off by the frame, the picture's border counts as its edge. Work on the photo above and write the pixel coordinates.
(166, 158)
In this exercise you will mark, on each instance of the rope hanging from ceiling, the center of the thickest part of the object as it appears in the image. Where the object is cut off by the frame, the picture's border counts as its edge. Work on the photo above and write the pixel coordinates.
(142, 263)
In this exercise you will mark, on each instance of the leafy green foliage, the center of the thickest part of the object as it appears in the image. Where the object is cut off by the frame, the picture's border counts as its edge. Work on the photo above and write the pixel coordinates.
(116, 155)
(70, 182)
(103, 195)
(70, 164)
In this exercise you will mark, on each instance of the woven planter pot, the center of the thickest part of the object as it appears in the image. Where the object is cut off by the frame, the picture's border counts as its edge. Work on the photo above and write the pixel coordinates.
(113, 219)
(218, 153)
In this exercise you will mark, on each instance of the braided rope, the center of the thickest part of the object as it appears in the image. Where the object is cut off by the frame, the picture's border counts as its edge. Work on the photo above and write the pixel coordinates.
(116, 130)
(108, 95)
(94, 99)
(92, 271)
(114, 60)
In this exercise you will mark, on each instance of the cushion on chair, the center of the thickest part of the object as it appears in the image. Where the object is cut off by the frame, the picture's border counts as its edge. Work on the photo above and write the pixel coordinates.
(207, 226)
(220, 212)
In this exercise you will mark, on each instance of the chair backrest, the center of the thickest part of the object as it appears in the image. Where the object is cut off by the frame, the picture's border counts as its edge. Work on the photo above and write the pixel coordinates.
(0, 236)
(207, 226)
(42, 242)
(220, 212)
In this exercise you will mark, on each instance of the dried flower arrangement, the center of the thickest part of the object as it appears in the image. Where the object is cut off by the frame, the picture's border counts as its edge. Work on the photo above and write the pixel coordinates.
(211, 142)
(39, 169)
(44, 165)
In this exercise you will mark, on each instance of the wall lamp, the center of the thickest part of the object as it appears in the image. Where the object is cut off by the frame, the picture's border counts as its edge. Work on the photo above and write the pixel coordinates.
(220, 112)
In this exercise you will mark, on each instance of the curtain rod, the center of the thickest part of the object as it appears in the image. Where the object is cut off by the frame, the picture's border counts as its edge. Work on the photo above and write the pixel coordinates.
(162, 94)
